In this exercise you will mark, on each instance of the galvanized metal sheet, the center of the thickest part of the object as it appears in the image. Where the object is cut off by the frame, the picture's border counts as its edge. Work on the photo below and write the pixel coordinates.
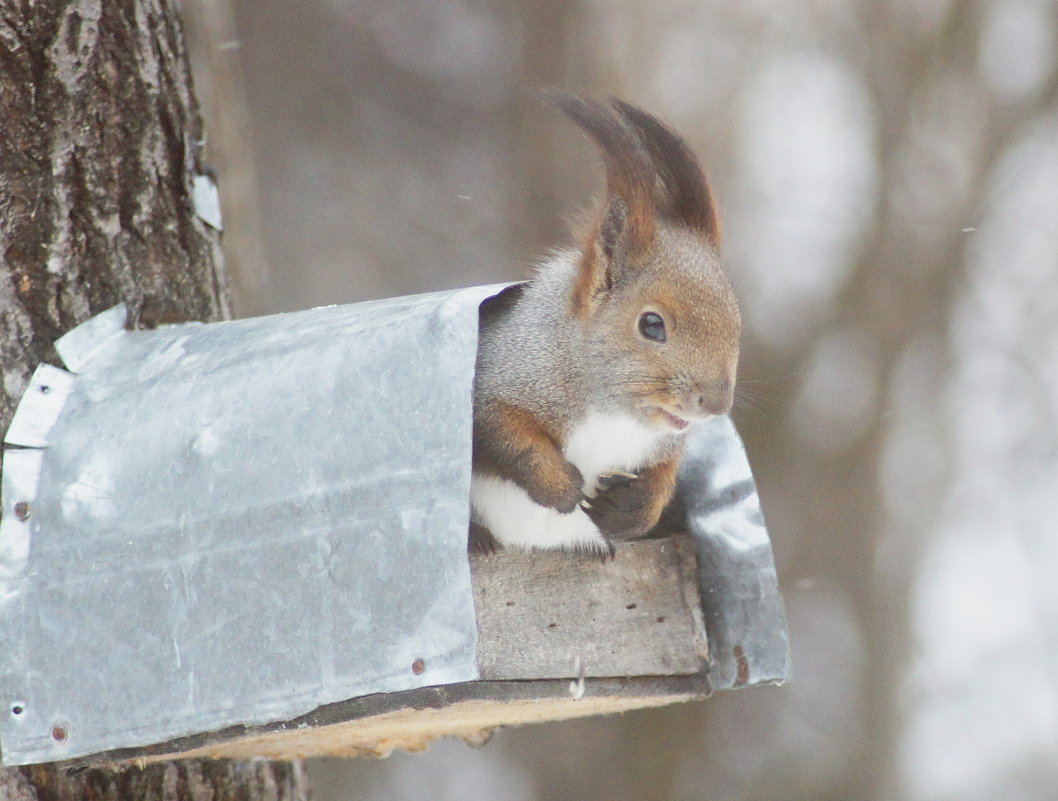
(744, 615)
(40, 407)
(237, 522)
(78, 347)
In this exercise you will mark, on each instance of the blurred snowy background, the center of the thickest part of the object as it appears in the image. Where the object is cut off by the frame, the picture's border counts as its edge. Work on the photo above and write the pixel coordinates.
(888, 173)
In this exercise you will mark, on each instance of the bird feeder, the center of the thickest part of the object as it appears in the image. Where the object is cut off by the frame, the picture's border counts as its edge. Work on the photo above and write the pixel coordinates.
(248, 538)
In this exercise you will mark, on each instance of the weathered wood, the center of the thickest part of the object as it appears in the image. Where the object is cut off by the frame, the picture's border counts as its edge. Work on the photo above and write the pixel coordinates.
(410, 721)
(635, 622)
(545, 615)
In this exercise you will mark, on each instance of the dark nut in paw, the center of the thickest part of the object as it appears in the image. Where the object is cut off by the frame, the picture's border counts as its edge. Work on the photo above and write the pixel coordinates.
(611, 481)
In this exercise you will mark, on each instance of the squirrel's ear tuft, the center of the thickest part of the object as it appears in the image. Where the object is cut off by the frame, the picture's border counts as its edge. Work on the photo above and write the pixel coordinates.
(629, 171)
(686, 198)
(625, 227)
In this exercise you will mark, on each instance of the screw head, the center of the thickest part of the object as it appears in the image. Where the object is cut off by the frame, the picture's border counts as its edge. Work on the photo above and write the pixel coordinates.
(418, 666)
(59, 733)
(22, 510)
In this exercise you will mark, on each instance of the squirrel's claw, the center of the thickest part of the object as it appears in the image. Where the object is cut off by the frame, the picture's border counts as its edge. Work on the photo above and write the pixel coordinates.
(611, 551)
(481, 540)
(601, 551)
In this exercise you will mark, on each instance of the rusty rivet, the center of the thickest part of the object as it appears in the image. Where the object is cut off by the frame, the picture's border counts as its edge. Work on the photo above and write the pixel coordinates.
(22, 510)
(59, 733)
(742, 677)
(418, 666)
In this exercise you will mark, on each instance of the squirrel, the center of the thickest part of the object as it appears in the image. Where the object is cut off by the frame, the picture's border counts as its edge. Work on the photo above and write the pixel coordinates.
(589, 376)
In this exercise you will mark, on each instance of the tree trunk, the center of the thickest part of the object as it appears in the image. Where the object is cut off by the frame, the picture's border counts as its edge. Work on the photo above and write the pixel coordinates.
(189, 779)
(100, 140)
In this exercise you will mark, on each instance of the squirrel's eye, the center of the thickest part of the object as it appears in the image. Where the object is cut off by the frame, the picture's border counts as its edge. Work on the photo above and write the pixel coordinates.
(652, 326)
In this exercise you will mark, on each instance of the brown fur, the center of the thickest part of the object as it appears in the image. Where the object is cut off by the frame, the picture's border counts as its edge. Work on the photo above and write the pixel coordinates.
(585, 286)
(627, 219)
(688, 199)
(629, 173)
(514, 444)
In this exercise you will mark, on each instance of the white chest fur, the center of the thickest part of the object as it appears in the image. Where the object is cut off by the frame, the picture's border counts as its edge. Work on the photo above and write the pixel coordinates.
(598, 443)
(604, 442)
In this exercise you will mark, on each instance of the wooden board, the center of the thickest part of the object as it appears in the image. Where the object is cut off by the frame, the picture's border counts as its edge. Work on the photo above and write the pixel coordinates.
(560, 637)
(549, 615)
(410, 721)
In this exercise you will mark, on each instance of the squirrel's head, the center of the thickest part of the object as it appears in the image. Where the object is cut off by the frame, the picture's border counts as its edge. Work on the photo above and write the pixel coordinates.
(655, 309)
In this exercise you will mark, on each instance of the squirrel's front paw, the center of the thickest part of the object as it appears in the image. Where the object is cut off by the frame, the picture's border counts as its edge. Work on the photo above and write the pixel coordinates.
(624, 508)
(559, 488)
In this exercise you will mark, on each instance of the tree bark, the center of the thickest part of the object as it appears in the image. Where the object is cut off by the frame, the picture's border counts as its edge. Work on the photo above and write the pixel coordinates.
(189, 779)
(100, 141)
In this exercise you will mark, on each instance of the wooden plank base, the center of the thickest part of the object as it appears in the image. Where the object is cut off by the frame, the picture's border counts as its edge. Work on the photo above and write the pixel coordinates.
(549, 615)
(410, 721)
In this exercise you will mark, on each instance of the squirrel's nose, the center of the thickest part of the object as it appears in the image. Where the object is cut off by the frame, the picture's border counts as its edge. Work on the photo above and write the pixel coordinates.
(716, 398)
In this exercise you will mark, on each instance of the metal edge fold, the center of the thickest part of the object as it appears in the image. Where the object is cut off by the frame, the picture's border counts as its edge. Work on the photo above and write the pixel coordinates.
(40, 407)
(77, 346)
